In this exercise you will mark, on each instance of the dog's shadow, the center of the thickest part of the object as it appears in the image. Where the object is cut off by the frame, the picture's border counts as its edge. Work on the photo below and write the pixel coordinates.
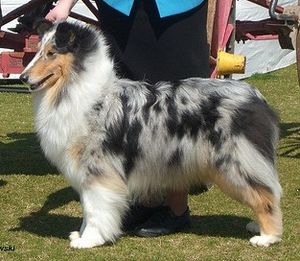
(290, 136)
(219, 226)
(46, 224)
(20, 153)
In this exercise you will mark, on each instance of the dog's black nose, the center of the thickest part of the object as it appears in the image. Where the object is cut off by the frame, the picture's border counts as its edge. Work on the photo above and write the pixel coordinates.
(24, 77)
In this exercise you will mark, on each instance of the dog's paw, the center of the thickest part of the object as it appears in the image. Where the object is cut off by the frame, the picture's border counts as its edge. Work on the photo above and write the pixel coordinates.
(74, 235)
(253, 227)
(264, 240)
(85, 243)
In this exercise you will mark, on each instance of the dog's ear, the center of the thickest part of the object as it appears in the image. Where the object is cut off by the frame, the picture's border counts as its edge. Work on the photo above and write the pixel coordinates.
(65, 37)
(42, 26)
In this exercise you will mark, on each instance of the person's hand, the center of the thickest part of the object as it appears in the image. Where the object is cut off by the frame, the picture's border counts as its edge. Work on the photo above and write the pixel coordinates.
(61, 11)
(57, 14)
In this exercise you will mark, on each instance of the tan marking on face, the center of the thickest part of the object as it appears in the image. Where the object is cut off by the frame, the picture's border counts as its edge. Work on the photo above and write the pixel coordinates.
(59, 66)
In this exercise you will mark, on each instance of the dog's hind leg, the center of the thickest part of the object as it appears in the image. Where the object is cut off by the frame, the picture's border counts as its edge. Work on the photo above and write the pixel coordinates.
(250, 178)
(264, 204)
(267, 209)
(104, 202)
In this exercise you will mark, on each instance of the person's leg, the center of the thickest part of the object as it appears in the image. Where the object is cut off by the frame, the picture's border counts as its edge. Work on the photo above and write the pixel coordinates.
(147, 47)
(177, 201)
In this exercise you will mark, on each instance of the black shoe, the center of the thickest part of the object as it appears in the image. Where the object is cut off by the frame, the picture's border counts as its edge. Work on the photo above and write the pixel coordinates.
(136, 216)
(163, 222)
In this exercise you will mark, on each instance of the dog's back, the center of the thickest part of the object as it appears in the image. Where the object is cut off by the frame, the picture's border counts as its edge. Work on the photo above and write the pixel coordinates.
(171, 122)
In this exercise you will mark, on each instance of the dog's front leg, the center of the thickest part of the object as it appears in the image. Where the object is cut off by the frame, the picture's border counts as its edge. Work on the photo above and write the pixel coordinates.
(77, 234)
(103, 207)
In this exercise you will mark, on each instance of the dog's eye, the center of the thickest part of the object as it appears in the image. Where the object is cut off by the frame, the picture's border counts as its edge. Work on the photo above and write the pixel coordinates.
(50, 54)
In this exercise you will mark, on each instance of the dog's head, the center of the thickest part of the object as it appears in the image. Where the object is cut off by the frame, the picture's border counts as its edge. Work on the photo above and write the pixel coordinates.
(62, 52)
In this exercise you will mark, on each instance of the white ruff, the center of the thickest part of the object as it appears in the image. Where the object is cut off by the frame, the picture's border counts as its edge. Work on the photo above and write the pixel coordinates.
(58, 127)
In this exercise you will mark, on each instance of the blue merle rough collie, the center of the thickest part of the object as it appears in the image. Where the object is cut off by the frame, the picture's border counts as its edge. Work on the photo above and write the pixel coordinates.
(116, 139)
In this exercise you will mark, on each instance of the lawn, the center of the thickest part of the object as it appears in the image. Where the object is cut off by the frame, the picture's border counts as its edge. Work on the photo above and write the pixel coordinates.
(39, 209)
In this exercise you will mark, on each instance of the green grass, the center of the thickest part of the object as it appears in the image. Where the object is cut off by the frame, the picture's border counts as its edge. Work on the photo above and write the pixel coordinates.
(38, 209)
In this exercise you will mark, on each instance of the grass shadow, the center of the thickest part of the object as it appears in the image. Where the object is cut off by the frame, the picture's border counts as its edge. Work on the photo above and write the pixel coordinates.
(2, 183)
(22, 155)
(47, 224)
(219, 226)
(290, 145)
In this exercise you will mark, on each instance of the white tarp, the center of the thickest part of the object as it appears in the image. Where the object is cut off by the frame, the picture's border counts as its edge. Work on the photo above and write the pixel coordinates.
(262, 56)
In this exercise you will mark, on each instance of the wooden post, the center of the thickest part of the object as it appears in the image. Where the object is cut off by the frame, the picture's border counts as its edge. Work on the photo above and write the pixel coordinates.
(211, 11)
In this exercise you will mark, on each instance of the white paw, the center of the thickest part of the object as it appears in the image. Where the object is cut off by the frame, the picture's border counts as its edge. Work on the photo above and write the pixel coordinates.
(264, 240)
(253, 227)
(74, 235)
(85, 243)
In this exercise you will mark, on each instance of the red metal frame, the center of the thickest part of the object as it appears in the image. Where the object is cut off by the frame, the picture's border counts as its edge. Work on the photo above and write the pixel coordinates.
(222, 32)
(24, 45)
(249, 30)
(225, 29)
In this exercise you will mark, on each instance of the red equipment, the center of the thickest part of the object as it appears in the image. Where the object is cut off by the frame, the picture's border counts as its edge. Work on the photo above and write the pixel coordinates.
(223, 30)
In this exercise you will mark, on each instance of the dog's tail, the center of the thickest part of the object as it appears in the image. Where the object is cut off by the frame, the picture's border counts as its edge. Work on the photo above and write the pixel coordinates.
(255, 137)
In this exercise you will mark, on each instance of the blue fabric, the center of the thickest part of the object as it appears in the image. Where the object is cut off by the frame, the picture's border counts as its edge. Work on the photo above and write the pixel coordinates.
(165, 7)
(124, 6)
(172, 7)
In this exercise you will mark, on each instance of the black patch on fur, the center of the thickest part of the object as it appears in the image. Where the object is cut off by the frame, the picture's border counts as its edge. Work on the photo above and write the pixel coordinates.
(175, 158)
(183, 100)
(176, 84)
(223, 161)
(131, 147)
(157, 107)
(77, 39)
(98, 106)
(215, 137)
(172, 118)
(123, 138)
(114, 141)
(151, 99)
(93, 170)
(258, 186)
(211, 114)
(154, 130)
(172, 122)
(191, 123)
(269, 209)
(94, 153)
(256, 121)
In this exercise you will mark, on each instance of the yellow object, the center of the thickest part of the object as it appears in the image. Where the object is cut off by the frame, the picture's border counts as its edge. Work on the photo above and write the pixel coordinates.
(230, 63)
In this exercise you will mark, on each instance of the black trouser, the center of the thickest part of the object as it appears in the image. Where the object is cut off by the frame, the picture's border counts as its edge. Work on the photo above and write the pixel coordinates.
(147, 47)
